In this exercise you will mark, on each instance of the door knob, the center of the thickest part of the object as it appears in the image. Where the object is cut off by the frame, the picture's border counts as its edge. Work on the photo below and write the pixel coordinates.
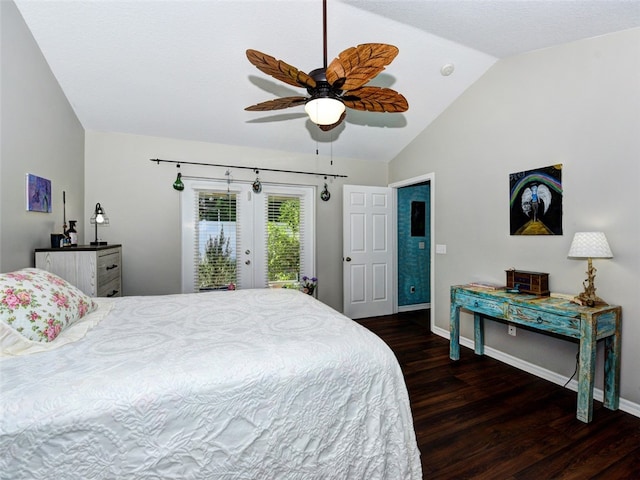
(348, 259)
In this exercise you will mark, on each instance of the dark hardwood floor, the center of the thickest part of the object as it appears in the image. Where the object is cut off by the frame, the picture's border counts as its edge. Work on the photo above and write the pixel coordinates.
(480, 418)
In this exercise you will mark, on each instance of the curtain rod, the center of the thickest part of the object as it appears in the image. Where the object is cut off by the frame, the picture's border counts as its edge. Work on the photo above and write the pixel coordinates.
(158, 160)
(248, 182)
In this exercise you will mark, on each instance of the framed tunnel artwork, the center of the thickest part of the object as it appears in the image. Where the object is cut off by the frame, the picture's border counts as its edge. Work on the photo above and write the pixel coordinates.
(535, 201)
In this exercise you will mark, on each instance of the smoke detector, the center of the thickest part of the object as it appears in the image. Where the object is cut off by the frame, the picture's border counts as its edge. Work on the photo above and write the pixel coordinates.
(447, 69)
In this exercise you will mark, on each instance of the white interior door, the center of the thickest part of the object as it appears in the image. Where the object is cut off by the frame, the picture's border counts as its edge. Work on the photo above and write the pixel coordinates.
(367, 251)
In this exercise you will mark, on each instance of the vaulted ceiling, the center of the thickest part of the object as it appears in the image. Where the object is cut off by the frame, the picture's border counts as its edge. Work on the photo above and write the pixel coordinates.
(177, 68)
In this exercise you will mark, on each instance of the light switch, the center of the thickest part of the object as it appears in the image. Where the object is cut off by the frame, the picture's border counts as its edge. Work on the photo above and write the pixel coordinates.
(441, 249)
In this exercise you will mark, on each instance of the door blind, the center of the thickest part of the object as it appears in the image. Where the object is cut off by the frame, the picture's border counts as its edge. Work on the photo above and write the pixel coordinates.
(216, 241)
(285, 238)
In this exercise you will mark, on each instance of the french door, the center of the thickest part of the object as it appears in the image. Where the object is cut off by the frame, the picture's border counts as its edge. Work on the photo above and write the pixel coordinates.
(233, 237)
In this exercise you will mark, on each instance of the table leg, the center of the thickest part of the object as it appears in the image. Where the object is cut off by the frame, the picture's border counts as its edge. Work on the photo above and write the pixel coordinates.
(587, 370)
(478, 333)
(612, 372)
(454, 332)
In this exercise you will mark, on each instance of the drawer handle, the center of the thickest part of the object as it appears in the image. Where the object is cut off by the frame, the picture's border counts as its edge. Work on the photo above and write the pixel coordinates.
(112, 267)
(113, 293)
(539, 319)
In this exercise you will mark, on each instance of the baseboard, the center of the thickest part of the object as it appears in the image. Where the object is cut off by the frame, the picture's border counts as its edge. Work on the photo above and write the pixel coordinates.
(598, 394)
(415, 306)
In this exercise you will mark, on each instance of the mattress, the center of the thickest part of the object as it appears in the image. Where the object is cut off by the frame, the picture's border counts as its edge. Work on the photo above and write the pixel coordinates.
(245, 384)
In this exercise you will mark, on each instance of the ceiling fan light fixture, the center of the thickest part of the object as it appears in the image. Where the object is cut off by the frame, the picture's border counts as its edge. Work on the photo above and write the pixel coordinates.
(324, 110)
(335, 86)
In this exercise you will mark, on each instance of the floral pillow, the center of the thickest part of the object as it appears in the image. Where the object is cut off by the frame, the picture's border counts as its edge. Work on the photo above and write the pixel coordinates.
(40, 305)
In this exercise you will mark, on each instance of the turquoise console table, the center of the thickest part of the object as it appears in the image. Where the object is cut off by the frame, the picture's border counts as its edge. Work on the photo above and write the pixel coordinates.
(555, 315)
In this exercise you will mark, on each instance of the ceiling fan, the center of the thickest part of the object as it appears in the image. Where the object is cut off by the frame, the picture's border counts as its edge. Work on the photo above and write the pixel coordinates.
(336, 86)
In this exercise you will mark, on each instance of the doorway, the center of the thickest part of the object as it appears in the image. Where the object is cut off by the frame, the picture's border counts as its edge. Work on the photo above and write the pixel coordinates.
(415, 264)
(413, 247)
(234, 236)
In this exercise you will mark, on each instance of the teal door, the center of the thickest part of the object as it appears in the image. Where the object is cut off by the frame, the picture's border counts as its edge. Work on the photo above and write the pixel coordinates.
(414, 244)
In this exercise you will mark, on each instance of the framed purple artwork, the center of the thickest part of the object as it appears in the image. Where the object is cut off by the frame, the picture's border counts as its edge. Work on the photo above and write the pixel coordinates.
(38, 194)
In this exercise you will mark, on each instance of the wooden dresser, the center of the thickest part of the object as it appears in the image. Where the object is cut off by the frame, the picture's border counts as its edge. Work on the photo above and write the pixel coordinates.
(96, 270)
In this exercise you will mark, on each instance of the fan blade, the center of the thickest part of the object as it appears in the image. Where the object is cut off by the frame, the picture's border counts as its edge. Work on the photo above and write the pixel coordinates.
(375, 99)
(277, 104)
(280, 70)
(326, 128)
(357, 65)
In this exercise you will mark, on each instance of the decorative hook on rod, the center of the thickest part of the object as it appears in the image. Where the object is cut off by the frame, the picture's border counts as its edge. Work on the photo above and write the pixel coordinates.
(178, 185)
(257, 186)
(324, 194)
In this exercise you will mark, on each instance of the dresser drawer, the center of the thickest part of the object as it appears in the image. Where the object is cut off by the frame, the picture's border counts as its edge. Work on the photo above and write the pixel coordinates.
(110, 289)
(567, 325)
(108, 267)
(479, 304)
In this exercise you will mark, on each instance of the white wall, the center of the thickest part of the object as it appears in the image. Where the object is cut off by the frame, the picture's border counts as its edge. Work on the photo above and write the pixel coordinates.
(144, 212)
(40, 135)
(576, 105)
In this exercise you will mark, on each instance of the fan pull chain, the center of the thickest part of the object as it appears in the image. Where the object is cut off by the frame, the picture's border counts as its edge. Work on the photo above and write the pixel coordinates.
(332, 138)
(324, 31)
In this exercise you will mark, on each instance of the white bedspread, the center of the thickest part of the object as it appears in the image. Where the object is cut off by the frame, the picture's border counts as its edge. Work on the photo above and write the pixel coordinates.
(247, 384)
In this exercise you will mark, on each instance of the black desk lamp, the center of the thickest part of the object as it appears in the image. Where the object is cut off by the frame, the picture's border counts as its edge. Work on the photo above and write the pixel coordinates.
(99, 218)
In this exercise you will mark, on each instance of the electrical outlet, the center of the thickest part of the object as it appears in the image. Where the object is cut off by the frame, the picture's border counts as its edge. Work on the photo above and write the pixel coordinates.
(512, 330)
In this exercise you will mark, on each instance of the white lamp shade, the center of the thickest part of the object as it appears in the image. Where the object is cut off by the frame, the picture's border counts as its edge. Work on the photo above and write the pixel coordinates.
(590, 245)
(324, 110)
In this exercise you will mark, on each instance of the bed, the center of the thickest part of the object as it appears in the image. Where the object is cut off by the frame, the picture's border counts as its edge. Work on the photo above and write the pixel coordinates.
(245, 384)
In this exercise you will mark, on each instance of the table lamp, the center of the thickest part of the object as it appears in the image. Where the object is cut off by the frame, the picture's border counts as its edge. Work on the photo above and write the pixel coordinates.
(590, 245)
(99, 218)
